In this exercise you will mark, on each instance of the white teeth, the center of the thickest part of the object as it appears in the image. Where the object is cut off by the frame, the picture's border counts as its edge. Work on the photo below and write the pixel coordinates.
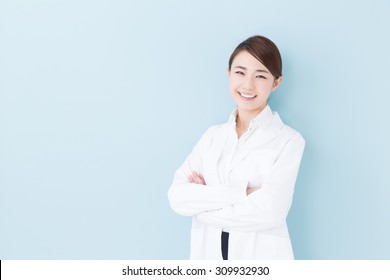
(247, 95)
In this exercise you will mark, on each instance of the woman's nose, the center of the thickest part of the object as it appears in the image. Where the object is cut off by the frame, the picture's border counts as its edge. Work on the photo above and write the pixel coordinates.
(248, 83)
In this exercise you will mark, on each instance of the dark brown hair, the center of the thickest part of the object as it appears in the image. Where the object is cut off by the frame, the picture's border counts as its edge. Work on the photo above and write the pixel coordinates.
(264, 50)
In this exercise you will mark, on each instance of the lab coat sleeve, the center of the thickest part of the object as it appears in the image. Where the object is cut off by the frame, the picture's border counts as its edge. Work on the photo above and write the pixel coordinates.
(189, 199)
(267, 207)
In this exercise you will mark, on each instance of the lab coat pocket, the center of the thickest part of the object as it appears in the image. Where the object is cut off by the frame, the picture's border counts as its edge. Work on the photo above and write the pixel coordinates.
(254, 167)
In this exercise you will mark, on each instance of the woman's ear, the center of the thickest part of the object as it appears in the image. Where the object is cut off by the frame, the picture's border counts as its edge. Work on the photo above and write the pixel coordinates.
(228, 72)
(277, 82)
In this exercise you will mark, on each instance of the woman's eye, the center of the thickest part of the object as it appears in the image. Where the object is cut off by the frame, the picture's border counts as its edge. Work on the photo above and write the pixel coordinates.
(240, 72)
(260, 76)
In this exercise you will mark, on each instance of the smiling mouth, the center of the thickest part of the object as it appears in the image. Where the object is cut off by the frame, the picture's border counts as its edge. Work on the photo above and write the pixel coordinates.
(247, 96)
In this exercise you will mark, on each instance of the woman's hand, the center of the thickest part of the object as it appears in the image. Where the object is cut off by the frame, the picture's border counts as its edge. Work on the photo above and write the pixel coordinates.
(250, 190)
(196, 178)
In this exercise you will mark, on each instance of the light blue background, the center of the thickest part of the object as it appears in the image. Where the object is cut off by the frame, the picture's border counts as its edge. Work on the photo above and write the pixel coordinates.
(101, 101)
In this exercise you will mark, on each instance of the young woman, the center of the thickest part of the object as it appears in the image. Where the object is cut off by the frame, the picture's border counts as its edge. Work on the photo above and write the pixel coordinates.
(238, 182)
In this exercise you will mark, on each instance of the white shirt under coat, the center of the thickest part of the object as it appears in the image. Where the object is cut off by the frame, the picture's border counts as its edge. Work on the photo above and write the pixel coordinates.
(266, 156)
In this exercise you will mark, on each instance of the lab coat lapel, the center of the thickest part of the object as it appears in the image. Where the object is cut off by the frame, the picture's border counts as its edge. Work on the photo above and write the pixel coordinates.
(220, 142)
(214, 155)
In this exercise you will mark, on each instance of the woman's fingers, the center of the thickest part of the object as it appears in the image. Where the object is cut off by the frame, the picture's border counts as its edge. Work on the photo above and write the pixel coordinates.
(196, 178)
(250, 190)
(201, 180)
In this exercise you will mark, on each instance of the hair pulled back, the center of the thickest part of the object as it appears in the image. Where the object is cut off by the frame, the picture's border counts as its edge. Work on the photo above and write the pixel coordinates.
(264, 50)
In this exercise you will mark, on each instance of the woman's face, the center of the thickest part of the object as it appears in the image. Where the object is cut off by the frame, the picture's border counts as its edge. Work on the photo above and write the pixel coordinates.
(250, 82)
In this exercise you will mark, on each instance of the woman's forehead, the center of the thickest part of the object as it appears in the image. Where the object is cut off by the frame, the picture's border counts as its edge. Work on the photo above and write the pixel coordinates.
(245, 60)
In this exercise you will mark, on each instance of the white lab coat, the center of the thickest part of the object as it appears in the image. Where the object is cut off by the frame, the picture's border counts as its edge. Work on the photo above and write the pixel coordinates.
(269, 159)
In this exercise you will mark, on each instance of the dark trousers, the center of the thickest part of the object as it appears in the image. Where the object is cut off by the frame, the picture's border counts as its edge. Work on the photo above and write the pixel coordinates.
(224, 244)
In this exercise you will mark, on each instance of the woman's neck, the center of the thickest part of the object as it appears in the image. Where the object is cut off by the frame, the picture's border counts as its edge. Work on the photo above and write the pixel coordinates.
(244, 117)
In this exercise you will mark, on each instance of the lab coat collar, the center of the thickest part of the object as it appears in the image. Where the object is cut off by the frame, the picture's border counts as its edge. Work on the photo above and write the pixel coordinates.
(262, 120)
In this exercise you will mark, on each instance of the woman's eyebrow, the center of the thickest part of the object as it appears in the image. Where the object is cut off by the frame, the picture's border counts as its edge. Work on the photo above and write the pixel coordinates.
(257, 70)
